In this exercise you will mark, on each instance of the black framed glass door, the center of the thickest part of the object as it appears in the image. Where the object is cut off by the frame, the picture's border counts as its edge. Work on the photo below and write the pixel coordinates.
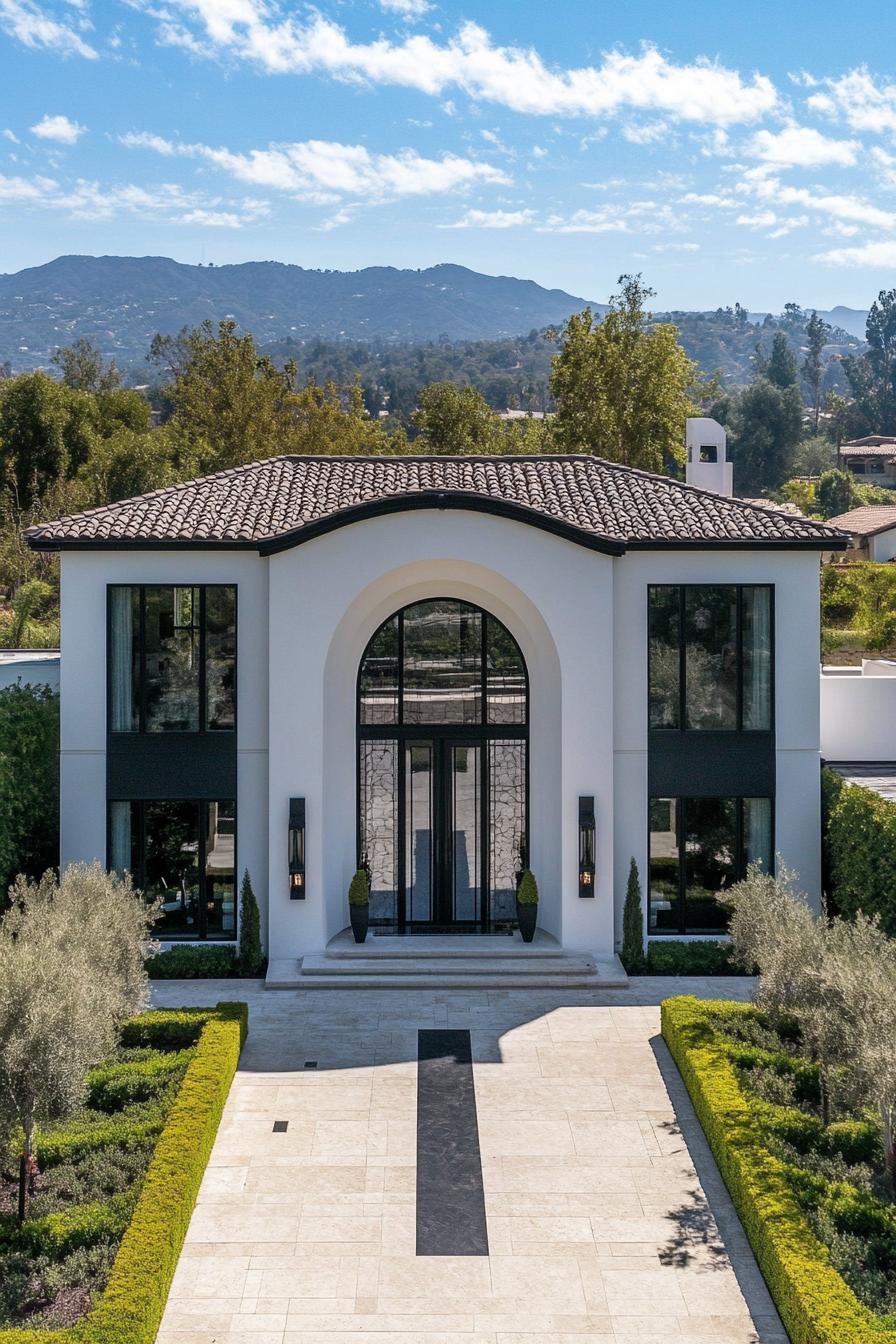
(443, 769)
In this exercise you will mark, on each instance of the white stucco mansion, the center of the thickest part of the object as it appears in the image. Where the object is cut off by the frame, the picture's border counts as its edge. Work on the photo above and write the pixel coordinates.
(447, 669)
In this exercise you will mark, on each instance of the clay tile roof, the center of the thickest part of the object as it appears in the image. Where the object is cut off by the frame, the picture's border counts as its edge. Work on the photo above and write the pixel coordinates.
(867, 520)
(284, 500)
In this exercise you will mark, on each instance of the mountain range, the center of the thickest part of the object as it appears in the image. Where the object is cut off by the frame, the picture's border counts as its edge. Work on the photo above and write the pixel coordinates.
(121, 302)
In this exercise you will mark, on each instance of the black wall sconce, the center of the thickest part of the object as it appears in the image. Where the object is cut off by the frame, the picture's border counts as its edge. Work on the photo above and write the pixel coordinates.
(297, 849)
(586, 846)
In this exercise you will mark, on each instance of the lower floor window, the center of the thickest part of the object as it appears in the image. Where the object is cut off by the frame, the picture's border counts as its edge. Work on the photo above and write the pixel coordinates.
(698, 847)
(182, 852)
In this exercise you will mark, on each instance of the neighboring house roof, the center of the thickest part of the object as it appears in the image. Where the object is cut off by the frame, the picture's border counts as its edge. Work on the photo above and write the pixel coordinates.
(872, 441)
(283, 501)
(876, 447)
(880, 777)
(866, 521)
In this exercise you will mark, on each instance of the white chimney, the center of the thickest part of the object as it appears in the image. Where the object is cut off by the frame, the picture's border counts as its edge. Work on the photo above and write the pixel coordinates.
(707, 465)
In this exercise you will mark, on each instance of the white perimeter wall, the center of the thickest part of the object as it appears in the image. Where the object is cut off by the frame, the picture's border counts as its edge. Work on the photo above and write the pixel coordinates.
(328, 597)
(858, 717)
(795, 575)
(84, 579)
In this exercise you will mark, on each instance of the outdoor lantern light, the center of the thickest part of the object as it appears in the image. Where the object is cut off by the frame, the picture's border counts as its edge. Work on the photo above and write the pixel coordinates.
(297, 849)
(586, 846)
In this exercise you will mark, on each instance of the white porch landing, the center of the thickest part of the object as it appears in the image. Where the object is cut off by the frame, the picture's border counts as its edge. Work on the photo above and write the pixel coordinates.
(387, 961)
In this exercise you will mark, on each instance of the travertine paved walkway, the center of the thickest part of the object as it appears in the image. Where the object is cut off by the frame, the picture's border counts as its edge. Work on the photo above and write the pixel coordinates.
(607, 1219)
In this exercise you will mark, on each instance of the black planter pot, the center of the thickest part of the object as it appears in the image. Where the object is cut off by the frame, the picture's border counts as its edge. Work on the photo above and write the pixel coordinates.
(527, 917)
(360, 917)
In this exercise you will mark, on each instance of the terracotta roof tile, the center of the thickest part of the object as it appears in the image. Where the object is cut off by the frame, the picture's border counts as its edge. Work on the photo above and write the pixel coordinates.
(591, 500)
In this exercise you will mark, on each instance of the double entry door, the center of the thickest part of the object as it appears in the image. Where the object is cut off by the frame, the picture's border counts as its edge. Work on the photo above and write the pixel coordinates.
(445, 850)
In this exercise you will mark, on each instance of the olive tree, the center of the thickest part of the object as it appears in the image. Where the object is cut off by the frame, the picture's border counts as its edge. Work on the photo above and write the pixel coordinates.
(72, 955)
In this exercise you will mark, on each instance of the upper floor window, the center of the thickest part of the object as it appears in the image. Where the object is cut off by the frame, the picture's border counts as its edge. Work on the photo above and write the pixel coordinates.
(710, 648)
(172, 658)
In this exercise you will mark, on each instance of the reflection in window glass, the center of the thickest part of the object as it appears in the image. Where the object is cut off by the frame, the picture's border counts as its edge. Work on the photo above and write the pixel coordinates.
(419, 830)
(757, 657)
(664, 872)
(710, 857)
(664, 636)
(711, 657)
(442, 663)
(466, 820)
(378, 681)
(379, 825)
(220, 658)
(171, 649)
(505, 675)
(758, 832)
(183, 853)
(124, 660)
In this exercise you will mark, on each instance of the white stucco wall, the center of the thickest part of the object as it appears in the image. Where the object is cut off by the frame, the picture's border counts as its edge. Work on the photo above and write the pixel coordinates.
(883, 547)
(797, 812)
(858, 716)
(85, 576)
(331, 594)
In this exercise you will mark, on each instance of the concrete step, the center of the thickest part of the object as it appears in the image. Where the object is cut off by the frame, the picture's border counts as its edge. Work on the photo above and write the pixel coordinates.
(439, 966)
(489, 947)
(597, 975)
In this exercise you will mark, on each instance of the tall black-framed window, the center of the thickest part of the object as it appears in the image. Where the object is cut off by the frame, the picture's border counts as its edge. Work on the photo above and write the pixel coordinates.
(171, 658)
(697, 848)
(443, 726)
(711, 657)
(183, 852)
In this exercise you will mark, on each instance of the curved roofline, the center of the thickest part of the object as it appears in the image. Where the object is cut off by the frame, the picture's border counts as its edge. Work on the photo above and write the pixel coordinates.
(441, 500)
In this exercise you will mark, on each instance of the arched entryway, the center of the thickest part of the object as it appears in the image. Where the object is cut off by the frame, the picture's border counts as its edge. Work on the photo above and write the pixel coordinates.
(443, 730)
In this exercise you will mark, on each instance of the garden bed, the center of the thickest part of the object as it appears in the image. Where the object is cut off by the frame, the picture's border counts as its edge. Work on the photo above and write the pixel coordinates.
(117, 1184)
(813, 1197)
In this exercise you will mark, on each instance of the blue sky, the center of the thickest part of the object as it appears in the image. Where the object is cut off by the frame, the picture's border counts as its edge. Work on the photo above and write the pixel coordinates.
(727, 152)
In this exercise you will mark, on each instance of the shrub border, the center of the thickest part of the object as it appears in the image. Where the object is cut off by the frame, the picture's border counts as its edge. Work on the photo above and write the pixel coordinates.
(130, 1308)
(816, 1305)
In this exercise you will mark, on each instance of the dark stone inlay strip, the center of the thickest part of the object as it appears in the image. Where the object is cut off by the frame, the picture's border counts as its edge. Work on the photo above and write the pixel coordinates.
(450, 1196)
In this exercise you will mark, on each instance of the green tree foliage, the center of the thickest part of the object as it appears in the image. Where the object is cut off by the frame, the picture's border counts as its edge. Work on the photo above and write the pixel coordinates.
(780, 368)
(454, 420)
(83, 368)
(633, 923)
(129, 462)
(29, 782)
(72, 959)
(623, 388)
(814, 455)
(861, 850)
(872, 375)
(817, 335)
(29, 623)
(251, 954)
(835, 493)
(765, 422)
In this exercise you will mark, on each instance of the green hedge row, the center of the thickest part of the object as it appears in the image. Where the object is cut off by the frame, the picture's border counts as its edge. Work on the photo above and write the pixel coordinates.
(859, 850)
(130, 1308)
(816, 1305)
(118, 1085)
(193, 963)
(678, 956)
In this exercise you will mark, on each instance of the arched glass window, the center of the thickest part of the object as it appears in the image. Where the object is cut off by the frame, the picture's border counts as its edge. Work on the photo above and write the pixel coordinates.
(442, 782)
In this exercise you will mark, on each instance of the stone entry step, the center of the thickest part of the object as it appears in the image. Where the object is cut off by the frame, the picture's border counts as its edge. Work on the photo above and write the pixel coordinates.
(446, 962)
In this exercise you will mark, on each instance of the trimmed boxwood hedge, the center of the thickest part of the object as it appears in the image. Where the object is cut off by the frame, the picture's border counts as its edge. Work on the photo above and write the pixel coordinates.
(817, 1306)
(859, 850)
(130, 1308)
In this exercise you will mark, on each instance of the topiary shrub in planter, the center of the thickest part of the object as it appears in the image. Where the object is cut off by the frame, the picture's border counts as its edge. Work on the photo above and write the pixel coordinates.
(527, 905)
(359, 904)
(251, 957)
(633, 924)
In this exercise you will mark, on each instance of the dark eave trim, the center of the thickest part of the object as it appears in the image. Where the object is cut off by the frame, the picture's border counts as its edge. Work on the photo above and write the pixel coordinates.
(741, 544)
(441, 500)
(38, 543)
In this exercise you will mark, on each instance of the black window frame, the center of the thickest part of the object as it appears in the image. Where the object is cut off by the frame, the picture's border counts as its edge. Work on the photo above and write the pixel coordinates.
(682, 725)
(139, 877)
(142, 729)
(740, 863)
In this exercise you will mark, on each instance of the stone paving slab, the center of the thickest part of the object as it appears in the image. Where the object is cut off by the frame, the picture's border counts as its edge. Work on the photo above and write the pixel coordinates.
(607, 1218)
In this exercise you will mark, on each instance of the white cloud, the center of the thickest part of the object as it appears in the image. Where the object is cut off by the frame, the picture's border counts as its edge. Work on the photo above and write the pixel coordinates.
(648, 134)
(675, 247)
(802, 147)
(408, 9)
(30, 24)
(848, 209)
(868, 254)
(10, 135)
(856, 99)
(60, 129)
(493, 219)
(165, 202)
(763, 220)
(515, 77)
(714, 199)
(322, 171)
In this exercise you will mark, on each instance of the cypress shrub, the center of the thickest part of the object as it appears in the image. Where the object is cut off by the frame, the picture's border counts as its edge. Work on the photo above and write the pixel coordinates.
(251, 956)
(633, 924)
